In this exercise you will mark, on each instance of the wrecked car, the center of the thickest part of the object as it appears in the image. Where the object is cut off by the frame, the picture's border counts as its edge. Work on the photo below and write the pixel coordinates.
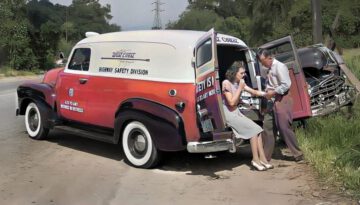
(327, 85)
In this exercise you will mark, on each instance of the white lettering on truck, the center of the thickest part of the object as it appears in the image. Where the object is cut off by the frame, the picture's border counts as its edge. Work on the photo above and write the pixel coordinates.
(204, 84)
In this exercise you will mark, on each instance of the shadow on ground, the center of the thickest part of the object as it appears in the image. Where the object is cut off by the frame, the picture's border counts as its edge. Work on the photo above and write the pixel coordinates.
(87, 145)
(206, 164)
(192, 164)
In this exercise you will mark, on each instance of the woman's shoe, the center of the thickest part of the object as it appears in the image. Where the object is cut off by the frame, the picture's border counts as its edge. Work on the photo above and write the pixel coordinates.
(258, 166)
(267, 165)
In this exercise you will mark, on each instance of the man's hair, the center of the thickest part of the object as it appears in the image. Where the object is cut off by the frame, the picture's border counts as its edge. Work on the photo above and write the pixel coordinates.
(234, 68)
(262, 51)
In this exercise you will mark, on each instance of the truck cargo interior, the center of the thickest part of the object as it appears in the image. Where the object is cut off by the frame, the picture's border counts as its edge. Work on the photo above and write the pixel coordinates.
(227, 55)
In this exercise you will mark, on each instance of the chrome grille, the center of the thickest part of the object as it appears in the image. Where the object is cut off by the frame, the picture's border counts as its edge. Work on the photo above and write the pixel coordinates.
(326, 90)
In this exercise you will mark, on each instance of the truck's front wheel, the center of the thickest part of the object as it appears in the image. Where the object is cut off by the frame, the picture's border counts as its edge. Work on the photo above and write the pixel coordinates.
(138, 146)
(33, 123)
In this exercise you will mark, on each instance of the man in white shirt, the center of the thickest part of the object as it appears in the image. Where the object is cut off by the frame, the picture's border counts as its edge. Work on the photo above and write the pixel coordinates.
(278, 84)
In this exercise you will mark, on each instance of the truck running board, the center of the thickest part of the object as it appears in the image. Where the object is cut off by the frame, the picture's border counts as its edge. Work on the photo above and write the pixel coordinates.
(100, 135)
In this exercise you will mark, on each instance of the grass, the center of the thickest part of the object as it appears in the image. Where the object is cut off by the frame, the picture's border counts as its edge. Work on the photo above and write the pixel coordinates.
(332, 143)
(352, 59)
(6, 71)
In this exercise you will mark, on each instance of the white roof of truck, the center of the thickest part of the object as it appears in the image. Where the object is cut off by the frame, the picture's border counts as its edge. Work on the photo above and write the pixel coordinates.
(157, 55)
(176, 38)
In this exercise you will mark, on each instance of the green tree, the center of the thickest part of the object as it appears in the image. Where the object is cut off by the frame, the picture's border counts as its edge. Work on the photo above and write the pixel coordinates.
(31, 31)
(68, 29)
(261, 21)
(343, 18)
(196, 20)
(89, 15)
(14, 39)
(50, 23)
(45, 30)
(298, 23)
(235, 27)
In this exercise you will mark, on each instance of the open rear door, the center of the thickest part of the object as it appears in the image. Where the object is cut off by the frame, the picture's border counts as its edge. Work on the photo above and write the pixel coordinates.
(208, 91)
(284, 50)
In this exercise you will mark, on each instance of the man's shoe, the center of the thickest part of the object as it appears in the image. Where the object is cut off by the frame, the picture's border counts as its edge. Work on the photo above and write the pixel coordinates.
(299, 158)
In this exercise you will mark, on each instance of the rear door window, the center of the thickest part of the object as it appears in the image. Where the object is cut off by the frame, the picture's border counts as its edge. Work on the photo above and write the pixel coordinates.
(204, 53)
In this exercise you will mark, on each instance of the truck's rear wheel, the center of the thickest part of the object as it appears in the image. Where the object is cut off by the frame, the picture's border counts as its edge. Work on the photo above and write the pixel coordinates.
(138, 146)
(33, 123)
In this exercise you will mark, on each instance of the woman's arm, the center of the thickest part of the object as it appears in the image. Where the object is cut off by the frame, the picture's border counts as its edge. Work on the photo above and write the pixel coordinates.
(254, 92)
(232, 99)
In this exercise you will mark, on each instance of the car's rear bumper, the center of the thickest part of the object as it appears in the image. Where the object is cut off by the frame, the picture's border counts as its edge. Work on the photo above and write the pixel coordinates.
(211, 146)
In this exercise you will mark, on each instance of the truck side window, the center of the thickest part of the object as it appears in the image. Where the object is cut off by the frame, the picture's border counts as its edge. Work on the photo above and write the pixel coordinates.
(80, 59)
(204, 53)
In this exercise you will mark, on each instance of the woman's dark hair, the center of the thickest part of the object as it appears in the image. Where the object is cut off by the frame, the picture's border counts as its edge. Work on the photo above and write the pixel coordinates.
(234, 68)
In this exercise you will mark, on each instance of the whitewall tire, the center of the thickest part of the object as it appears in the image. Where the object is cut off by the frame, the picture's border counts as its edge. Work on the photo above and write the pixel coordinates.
(33, 122)
(138, 146)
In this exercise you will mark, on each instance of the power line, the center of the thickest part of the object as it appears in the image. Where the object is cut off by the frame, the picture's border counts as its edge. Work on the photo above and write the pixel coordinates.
(157, 20)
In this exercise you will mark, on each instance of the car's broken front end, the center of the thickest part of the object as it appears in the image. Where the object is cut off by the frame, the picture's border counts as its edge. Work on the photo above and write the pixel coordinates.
(328, 87)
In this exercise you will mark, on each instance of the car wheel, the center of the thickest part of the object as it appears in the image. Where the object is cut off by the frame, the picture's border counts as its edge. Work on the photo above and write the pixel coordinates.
(138, 146)
(33, 123)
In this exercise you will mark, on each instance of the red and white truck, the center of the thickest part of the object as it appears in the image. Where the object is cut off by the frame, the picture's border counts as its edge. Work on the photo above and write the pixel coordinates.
(150, 91)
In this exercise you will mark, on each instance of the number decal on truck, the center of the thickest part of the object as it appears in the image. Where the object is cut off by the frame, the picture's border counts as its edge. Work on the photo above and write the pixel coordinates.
(72, 106)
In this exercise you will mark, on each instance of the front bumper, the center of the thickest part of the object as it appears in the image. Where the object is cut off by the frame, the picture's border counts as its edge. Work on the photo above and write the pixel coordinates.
(211, 146)
(342, 99)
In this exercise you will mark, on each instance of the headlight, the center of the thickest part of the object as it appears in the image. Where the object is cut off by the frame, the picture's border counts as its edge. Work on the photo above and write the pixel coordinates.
(309, 88)
(309, 91)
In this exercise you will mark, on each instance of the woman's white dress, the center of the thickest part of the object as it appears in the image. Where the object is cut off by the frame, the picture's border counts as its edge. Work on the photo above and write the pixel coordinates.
(242, 126)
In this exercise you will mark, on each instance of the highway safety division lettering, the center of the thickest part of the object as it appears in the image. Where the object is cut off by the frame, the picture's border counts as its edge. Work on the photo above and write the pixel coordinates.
(126, 71)
(139, 71)
(72, 106)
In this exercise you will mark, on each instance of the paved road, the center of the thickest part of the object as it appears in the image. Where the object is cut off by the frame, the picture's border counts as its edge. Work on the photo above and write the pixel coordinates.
(8, 85)
(67, 169)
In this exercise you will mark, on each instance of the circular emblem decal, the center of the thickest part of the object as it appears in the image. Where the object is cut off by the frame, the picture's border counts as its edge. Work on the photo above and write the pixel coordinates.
(71, 92)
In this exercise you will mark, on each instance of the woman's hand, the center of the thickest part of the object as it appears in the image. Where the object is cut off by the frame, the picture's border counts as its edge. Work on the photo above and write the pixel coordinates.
(260, 93)
(242, 84)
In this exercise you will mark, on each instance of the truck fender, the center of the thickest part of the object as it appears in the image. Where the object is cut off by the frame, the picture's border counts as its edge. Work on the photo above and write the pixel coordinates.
(164, 124)
(27, 94)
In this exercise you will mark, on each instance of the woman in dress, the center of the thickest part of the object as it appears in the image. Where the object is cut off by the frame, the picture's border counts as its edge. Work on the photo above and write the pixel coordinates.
(242, 126)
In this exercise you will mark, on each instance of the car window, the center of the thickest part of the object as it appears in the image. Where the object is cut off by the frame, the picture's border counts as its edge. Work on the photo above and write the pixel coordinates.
(204, 53)
(80, 60)
(283, 53)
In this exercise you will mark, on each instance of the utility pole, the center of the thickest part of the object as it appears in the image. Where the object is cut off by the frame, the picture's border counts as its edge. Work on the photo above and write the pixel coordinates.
(157, 20)
(66, 24)
(317, 25)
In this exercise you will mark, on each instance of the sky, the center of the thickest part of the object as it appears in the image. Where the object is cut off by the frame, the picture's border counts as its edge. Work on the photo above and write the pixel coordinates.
(138, 14)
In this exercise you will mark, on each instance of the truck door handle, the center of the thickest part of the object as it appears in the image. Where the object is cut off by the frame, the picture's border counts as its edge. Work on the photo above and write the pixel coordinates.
(83, 80)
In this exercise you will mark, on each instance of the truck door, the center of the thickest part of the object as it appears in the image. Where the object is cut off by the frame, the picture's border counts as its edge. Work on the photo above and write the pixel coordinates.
(284, 50)
(208, 91)
(72, 87)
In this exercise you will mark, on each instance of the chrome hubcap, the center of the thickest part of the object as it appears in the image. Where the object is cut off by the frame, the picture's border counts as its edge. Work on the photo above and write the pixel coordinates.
(140, 143)
(137, 143)
(33, 120)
